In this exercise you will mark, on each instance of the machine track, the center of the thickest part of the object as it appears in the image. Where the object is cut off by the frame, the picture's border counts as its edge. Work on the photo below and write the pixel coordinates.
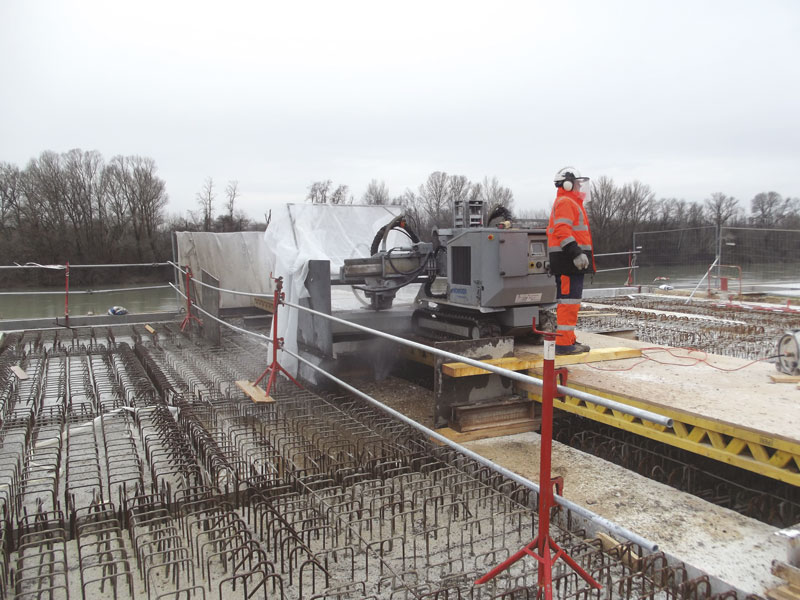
(474, 327)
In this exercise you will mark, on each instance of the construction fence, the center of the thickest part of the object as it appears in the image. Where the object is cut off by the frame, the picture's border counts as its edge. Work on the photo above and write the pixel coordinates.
(682, 257)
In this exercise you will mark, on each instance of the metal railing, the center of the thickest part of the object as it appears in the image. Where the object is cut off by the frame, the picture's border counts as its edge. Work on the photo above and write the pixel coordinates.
(67, 268)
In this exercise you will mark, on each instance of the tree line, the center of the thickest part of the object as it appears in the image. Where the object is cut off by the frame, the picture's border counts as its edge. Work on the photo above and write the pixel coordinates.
(428, 207)
(615, 211)
(79, 207)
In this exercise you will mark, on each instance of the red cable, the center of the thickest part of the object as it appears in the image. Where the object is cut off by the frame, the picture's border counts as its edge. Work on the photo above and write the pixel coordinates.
(670, 351)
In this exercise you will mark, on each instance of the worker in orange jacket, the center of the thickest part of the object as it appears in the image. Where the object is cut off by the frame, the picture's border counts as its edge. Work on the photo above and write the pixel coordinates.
(569, 242)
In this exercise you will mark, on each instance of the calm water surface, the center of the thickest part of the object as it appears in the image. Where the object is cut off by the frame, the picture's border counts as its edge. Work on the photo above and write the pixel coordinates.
(32, 305)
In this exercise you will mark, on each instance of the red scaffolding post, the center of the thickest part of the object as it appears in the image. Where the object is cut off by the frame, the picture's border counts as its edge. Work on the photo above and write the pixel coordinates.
(542, 545)
(189, 316)
(66, 295)
(277, 343)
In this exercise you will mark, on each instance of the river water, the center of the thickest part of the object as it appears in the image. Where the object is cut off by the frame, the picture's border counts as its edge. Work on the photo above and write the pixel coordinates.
(33, 305)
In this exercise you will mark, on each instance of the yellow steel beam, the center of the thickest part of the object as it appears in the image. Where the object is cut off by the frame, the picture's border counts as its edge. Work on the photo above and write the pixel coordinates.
(774, 457)
(525, 361)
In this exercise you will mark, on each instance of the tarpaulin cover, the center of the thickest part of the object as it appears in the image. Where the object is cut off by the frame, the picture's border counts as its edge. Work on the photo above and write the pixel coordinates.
(239, 260)
(297, 233)
(302, 232)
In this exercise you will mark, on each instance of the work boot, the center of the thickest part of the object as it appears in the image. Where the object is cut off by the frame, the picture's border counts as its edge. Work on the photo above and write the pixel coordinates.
(575, 348)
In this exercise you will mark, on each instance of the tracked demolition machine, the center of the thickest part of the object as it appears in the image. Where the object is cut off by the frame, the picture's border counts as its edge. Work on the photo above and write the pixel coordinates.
(484, 277)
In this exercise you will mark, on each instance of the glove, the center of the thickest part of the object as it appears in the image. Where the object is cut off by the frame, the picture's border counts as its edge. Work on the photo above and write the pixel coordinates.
(581, 262)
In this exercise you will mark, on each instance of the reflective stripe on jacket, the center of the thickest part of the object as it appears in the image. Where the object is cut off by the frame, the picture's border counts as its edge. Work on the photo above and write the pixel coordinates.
(568, 223)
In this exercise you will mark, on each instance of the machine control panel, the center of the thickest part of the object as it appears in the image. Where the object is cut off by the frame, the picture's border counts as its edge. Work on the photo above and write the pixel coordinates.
(537, 254)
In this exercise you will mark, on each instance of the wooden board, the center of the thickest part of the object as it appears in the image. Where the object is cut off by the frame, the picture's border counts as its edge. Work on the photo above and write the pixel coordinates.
(266, 304)
(631, 559)
(19, 372)
(507, 411)
(525, 361)
(258, 395)
(784, 592)
(784, 378)
(786, 572)
(489, 432)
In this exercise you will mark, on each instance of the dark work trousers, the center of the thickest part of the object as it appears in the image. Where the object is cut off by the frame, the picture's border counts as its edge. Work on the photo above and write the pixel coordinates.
(569, 290)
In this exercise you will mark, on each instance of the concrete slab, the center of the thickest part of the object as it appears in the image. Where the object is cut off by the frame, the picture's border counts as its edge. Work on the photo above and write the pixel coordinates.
(733, 390)
(734, 548)
(88, 321)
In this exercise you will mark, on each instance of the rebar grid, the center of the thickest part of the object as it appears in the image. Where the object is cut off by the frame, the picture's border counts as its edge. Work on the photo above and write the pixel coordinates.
(750, 494)
(718, 328)
(174, 484)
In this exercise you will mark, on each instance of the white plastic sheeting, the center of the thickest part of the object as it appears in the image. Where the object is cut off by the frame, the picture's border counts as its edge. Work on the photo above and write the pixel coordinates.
(302, 232)
(239, 260)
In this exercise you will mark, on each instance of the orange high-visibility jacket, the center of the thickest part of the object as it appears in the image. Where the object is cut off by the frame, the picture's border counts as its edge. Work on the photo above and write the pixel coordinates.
(568, 234)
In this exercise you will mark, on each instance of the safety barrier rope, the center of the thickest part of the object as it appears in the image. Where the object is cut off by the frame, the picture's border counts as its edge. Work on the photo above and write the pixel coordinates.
(605, 402)
(33, 265)
(575, 508)
(587, 514)
(71, 292)
(220, 321)
(219, 289)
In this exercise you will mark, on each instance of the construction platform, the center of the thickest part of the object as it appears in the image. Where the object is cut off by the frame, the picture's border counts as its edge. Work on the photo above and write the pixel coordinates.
(728, 409)
(725, 408)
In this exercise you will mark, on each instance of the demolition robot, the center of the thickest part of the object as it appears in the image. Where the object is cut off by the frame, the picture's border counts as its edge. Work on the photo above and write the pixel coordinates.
(481, 278)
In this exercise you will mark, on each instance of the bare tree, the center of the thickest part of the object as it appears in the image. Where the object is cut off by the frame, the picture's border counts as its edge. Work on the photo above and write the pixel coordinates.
(377, 193)
(721, 208)
(694, 215)
(635, 206)
(318, 192)
(231, 194)
(11, 195)
(767, 209)
(339, 196)
(459, 189)
(603, 209)
(434, 199)
(205, 199)
(152, 197)
(494, 194)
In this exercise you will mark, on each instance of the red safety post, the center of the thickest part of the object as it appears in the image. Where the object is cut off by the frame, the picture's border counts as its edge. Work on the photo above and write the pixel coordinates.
(540, 548)
(66, 295)
(277, 343)
(189, 316)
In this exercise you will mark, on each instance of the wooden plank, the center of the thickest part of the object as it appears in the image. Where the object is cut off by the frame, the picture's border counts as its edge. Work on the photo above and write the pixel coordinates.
(489, 432)
(258, 395)
(786, 572)
(783, 592)
(149, 329)
(491, 414)
(266, 304)
(784, 378)
(612, 546)
(531, 361)
(19, 372)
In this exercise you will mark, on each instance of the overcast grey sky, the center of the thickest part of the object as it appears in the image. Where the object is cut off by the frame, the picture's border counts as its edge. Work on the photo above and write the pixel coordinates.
(689, 97)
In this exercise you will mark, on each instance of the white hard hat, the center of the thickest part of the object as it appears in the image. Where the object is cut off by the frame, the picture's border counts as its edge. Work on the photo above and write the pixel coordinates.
(566, 178)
